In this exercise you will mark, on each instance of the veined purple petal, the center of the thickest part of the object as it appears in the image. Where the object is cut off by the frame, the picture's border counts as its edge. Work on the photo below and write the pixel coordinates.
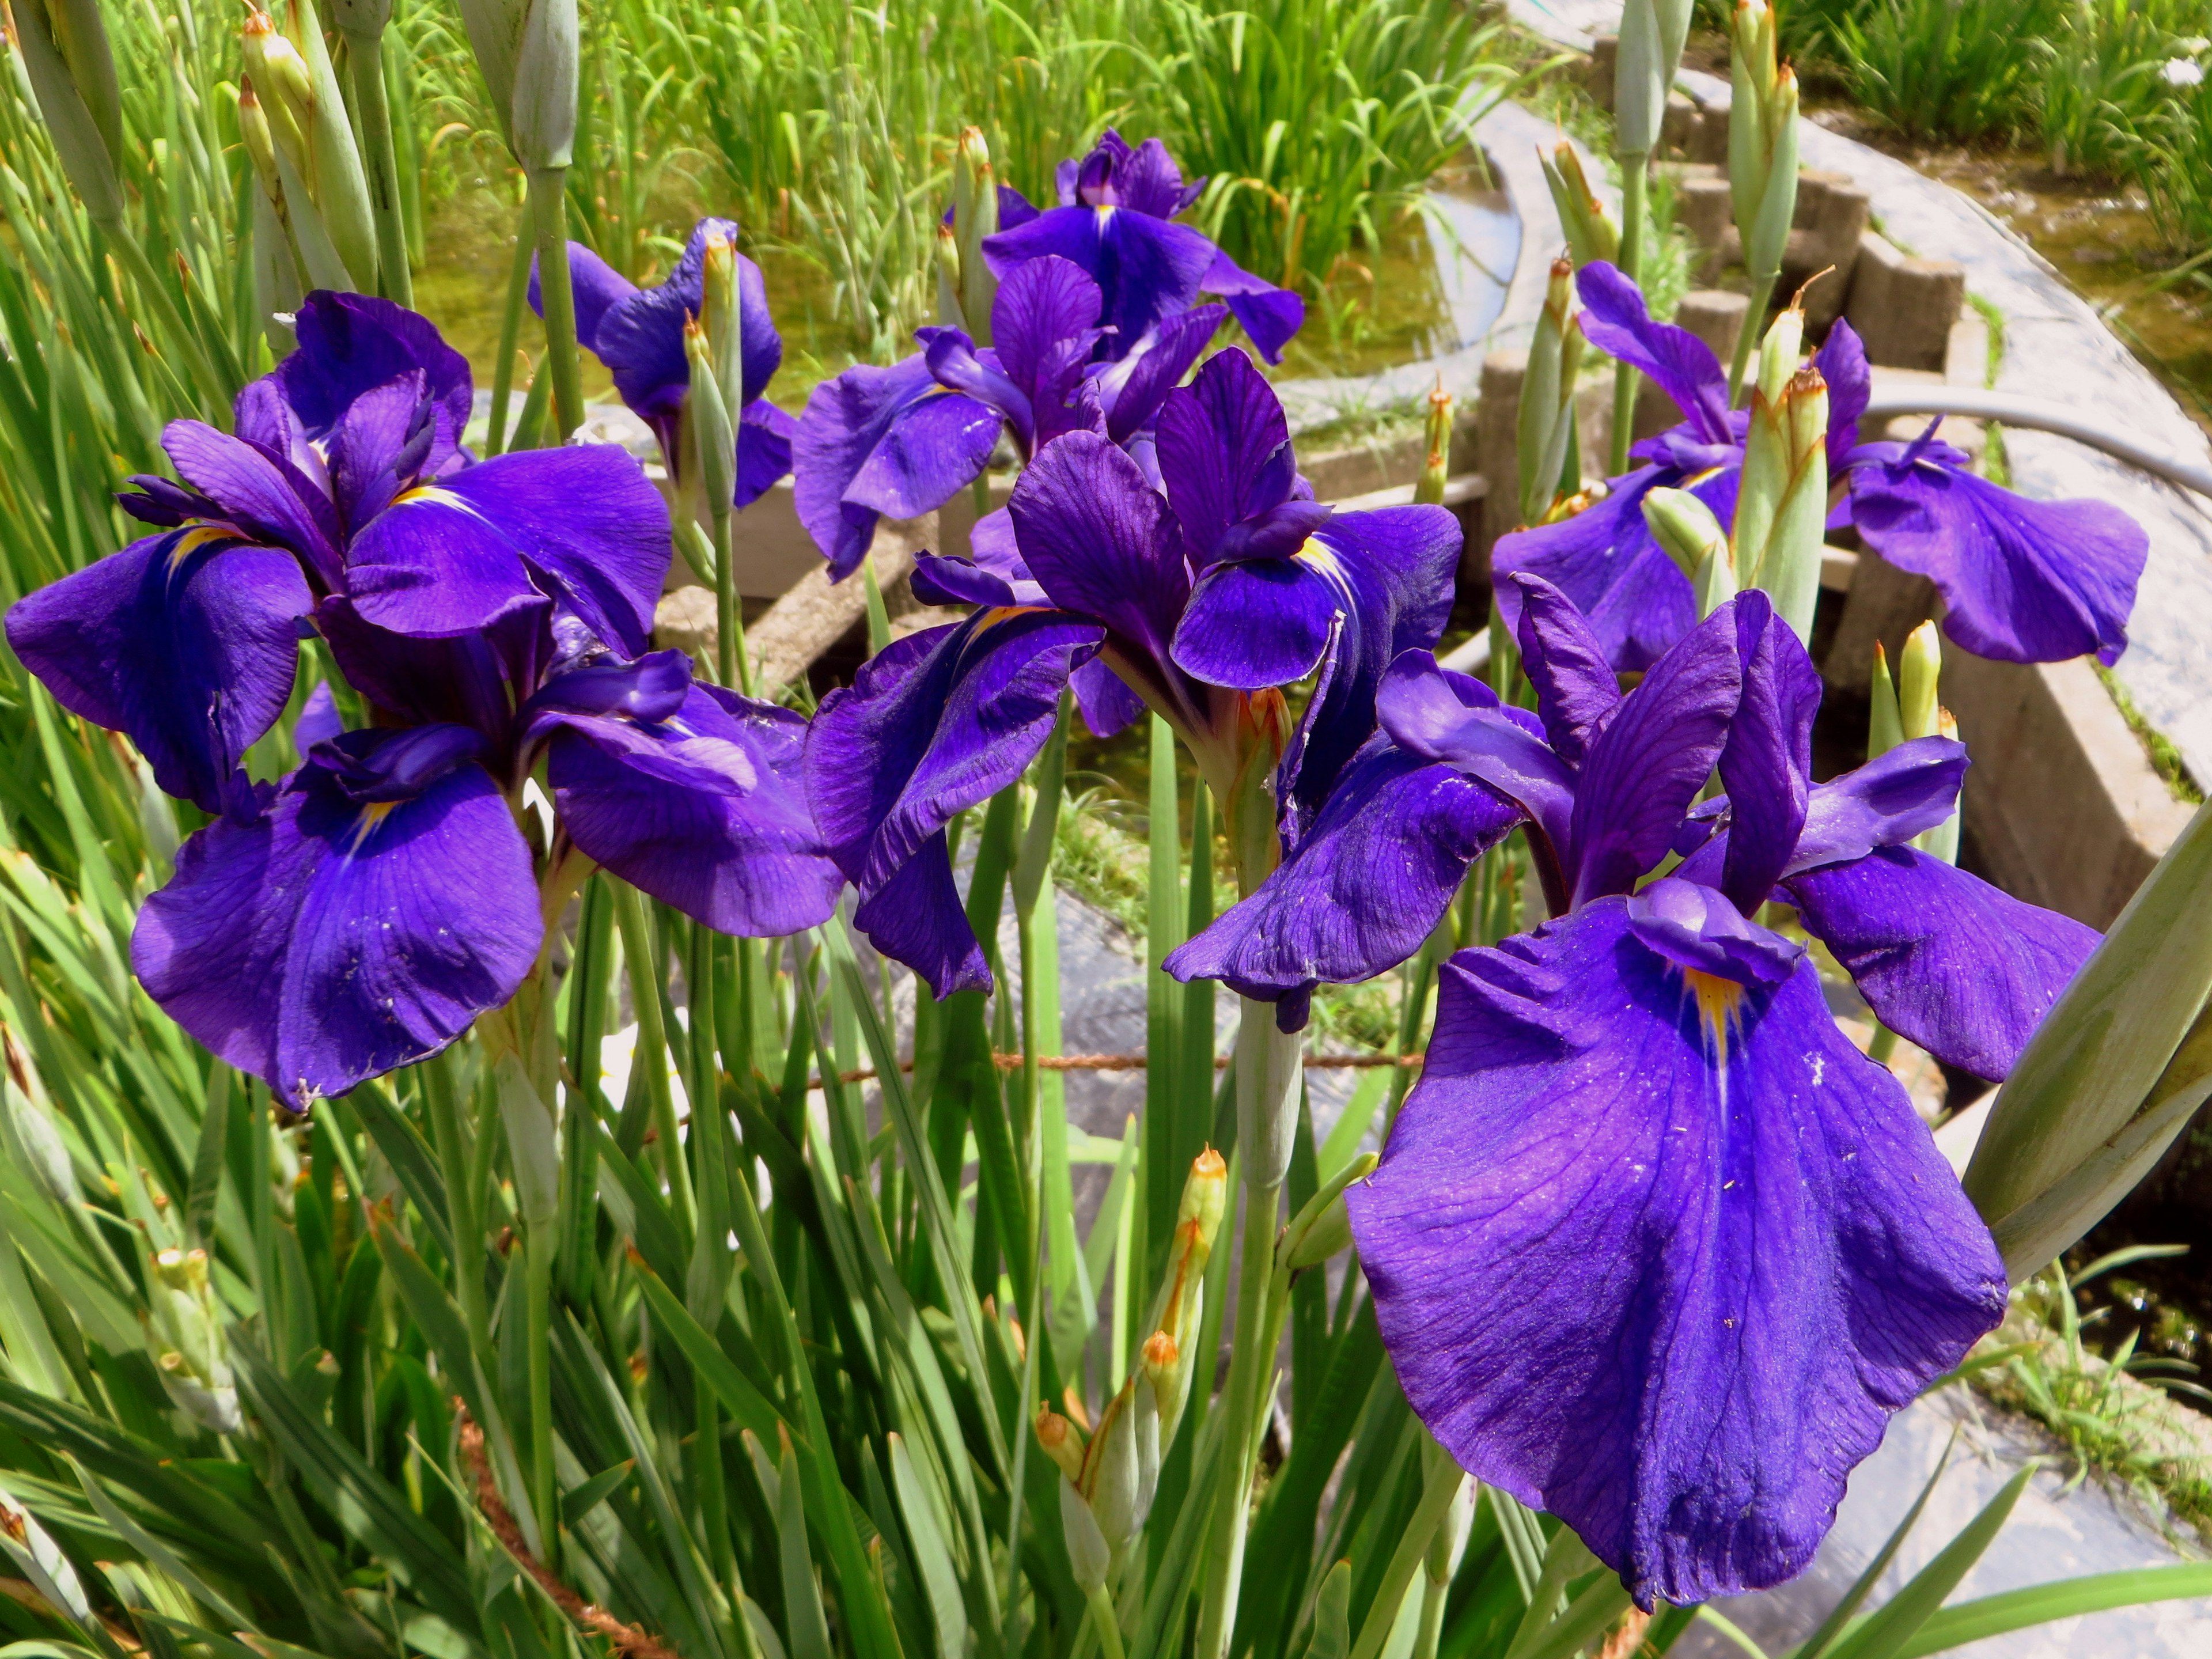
(1604, 559)
(1656, 752)
(1842, 361)
(1224, 453)
(264, 497)
(936, 446)
(185, 642)
(1043, 325)
(1363, 890)
(457, 556)
(1699, 928)
(956, 365)
(1253, 623)
(1392, 572)
(1268, 315)
(373, 767)
(1618, 323)
(704, 808)
(1143, 180)
(846, 418)
(1130, 389)
(764, 435)
(1104, 699)
(949, 579)
(1660, 1256)
(648, 691)
(350, 344)
(1767, 765)
(381, 444)
(1911, 788)
(932, 724)
(329, 941)
(1102, 542)
(2023, 581)
(472, 679)
(639, 336)
(1945, 959)
(318, 720)
(598, 288)
(1146, 268)
(1565, 661)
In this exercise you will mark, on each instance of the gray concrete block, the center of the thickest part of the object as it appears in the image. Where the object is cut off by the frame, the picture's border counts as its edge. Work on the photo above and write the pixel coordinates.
(1675, 125)
(1605, 54)
(1708, 138)
(1497, 448)
(1966, 352)
(1716, 316)
(1902, 306)
(1703, 208)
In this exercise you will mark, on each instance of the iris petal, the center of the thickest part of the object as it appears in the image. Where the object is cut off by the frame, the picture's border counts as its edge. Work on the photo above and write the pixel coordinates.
(329, 941)
(1617, 322)
(706, 811)
(1565, 661)
(2023, 581)
(932, 724)
(187, 643)
(350, 344)
(846, 418)
(1660, 1258)
(450, 558)
(1256, 622)
(1132, 390)
(1268, 315)
(1363, 890)
(1224, 452)
(1767, 765)
(263, 495)
(1147, 269)
(1945, 959)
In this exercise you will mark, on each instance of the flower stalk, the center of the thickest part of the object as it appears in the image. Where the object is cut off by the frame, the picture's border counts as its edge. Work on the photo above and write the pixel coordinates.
(1652, 33)
(1762, 162)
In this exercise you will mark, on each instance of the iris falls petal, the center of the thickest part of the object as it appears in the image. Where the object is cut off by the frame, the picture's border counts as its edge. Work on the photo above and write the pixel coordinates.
(1660, 1253)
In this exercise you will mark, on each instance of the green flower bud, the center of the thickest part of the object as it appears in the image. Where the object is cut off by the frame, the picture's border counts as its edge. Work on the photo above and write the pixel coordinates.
(1112, 1473)
(1693, 538)
(1943, 842)
(1592, 237)
(949, 314)
(1436, 469)
(722, 314)
(707, 421)
(1324, 1237)
(1885, 730)
(1545, 438)
(1061, 1441)
(1204, 1197)
(1087, 1553)
(1650, 51)
(544, 97)
(1918, 671)
(975, 216)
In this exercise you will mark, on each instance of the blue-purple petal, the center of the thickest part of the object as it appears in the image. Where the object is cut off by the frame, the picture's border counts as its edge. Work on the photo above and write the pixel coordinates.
(1132, 389)
(1363, 889)
(261, 493)
(845, 420)
(764, 435)
(1943, 959)
(1257, 622)
(185, 642)
(329, 940)
(1565, 662)
(1700, 927)
(1767, 765)
(2022, 580)
(931, 726)
(1841, 361)
(1104, 699)
(1618, 323)
(1224, 452)
(1662, 1263)
(447, 559)
(1146, 268)
(350, 344)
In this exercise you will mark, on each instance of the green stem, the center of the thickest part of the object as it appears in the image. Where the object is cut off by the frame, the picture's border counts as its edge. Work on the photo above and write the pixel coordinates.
(1754, 319)
(538, 1313)
(1432, 1618)
(730, 665)
(1248, 1365)
(1635, 178)
(1883, 1046)
(365, 59)
(646, 970)
(510, 332)
(460, 1202)
(549, 222)
(179, 337)
(1102, 1621)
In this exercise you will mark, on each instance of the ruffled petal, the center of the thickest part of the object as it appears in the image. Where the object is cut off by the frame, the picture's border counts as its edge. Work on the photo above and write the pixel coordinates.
(1147, 269)
(1841, 361)
(846, 418)
(1224, 453)
(187, 643)
(1699, 928)
(267, 498)
(1104, 699)
(464, 553)
(1911, 788)
(2022, 580)
(764, 435)
(1945, 959)
(1363, 890)
(1655, 753)
(1618, 323)
(639, 336)
(350, 344)
(704, 808)
(1043, 327)
(599, 288)
(1102, 542)
(1268, 315)
(331, 940)
(1257, 622)
(1131, 390)
(1565, 662)
(932, 724)
(470, 679)
(1604, 558)
(1767, 765)
(935, 446)
(1661, 1256)
(1447, 717)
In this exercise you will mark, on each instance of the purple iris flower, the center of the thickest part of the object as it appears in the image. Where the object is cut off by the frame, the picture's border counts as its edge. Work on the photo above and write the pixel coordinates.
(638, 333)
(343, 501)
(1201, 599)
(2022, 580)
(1652, 1245)
(359, 915)
(905, 439)
(1116, 216)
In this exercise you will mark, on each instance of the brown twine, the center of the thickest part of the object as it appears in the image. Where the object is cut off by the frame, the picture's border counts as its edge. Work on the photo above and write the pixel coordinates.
(1137, 1063)
(593, 1618)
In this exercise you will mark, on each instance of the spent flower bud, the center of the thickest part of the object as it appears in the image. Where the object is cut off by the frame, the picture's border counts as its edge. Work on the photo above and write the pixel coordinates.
(1436, 467)
(1592, 237)
(708, 433)
(975, 216)
(1204, 1197)
(1546, 437)
(722, 314)
(1087, 1551)
(1061, 1441)
(1693, 538)
(949, 314)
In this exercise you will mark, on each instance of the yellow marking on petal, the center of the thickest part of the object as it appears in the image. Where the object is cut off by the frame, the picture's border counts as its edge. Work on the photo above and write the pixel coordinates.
(196, 537)
(998, 614)
(1693, 482)
(1718, 1001)
(1321, 555)
(431, 493)
(373, 814)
